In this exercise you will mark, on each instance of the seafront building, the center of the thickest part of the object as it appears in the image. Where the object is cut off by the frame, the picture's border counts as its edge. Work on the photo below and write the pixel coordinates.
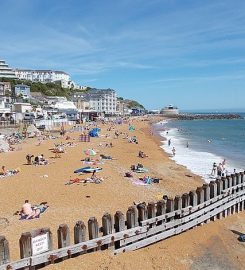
(5, 89)
(103, 101)
(44, 76)
(22, 90)
(6, 71)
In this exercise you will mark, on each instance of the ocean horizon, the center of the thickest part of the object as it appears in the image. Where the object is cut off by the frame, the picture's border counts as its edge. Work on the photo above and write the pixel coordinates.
(200, 143)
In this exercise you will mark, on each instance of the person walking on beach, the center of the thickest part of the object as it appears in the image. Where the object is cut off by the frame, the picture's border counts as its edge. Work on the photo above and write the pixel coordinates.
(214, 169)
(173, 151)
(169, 142)
(187, 144)
(219, 170)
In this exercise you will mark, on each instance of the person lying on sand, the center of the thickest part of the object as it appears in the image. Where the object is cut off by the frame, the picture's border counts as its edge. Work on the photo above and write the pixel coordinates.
(106, 157)
(40, 160)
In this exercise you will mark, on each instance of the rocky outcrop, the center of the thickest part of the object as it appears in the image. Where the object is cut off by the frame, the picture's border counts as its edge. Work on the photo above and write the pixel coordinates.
(206, 116)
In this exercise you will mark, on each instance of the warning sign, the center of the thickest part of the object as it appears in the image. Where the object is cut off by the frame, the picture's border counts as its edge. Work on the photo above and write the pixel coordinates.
(39, 244)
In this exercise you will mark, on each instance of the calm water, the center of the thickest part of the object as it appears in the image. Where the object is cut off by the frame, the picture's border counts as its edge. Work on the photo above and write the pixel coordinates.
(208, 141)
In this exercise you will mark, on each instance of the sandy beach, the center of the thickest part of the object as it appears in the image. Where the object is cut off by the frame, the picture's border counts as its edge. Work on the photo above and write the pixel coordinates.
(195, 249)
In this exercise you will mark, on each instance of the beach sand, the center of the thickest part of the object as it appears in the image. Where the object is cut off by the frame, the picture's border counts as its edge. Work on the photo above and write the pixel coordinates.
(70, 203)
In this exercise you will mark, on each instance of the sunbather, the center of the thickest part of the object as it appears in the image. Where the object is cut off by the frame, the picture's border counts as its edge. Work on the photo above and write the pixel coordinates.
(39, 209)
(142, 154)
(105, 157)
(28, 158)
(26, 210)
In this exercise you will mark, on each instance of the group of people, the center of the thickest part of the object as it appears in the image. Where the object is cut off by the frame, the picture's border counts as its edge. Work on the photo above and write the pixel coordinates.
(29, 211)
(219, 170)
(38, 160)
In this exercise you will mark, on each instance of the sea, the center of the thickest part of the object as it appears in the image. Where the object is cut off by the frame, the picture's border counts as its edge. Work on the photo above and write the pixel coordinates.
(200, 143)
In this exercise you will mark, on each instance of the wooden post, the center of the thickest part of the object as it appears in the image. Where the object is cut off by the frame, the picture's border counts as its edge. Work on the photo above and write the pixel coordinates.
(229, 181)
(238, 181)
(219, 186)
(25, 243)
(63, 233)
(80, 233)
(177, 205)
(107, 228)
(241, 204)
(233, 177)
(185, 200)
(119, 226)
(224, 181)
(206, 190)
(213, 194)
(242, 181)
(219, 192)
(161, 210)
(229, 184)
(193, 198)
(132, 217)
(151, 209)
(170, 207)
(142, 212)
(63, 236)
(4, 250)
(93, 230)
(200, 195)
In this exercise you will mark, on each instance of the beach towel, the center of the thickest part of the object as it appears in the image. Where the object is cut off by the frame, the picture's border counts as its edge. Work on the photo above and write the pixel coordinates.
(24, 217)
(139, 183)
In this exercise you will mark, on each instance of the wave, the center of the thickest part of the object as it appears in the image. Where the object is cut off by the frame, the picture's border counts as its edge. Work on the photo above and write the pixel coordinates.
(199, 162)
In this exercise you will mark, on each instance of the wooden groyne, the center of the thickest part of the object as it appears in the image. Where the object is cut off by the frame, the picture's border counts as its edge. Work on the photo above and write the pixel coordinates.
(140, 226)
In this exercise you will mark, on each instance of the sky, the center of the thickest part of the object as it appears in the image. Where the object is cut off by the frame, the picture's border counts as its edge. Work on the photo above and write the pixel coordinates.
(190, 53)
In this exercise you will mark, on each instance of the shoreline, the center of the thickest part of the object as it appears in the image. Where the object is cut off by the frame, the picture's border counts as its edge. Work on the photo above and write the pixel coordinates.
(190, 157)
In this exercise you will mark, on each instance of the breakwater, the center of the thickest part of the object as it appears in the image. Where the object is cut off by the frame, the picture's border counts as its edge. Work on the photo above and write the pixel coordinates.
(206, 116)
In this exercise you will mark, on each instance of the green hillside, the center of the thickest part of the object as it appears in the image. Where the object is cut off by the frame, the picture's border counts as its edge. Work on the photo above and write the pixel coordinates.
(48, 89)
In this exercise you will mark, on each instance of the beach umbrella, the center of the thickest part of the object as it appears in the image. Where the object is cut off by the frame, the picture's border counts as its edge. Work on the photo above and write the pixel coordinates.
(90, 152)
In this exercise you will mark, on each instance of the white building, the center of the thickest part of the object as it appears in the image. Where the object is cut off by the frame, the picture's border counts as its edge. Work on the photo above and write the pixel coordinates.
(22, 90)
(6, 71)
(43, 76)
(100, 100)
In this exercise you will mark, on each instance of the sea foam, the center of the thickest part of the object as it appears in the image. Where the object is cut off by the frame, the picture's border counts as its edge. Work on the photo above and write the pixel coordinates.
(198, 162)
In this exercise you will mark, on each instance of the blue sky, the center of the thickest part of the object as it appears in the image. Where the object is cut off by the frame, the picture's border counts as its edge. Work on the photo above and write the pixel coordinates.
(187, 52)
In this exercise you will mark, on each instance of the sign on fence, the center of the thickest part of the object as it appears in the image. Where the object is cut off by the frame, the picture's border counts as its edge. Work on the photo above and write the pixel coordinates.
(40, 244)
